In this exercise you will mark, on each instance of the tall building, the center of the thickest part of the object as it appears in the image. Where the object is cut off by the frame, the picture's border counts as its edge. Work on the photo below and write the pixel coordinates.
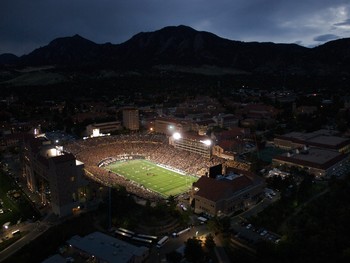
(56, 175)
(131, 119)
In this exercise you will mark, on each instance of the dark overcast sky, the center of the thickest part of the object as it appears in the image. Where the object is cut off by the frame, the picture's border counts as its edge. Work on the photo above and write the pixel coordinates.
(29, 24)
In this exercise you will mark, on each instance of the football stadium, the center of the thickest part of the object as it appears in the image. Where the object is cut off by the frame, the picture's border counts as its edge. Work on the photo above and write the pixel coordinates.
(146, 165)
(158, 178)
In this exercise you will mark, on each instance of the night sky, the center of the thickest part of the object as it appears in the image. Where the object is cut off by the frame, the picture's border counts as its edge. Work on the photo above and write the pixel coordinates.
(29, 24)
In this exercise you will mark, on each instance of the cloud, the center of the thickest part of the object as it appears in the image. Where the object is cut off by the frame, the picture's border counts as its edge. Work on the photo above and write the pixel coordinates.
(344, 23)
(325, 37)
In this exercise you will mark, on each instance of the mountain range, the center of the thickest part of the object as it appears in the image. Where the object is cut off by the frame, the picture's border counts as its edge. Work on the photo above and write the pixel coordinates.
(183, 46)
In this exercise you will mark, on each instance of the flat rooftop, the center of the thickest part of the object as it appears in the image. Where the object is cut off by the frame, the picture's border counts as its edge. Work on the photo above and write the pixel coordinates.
(107, 248)
(320, 138)
(314, 157)
(328, 140)
(319, 156)
(51, 151)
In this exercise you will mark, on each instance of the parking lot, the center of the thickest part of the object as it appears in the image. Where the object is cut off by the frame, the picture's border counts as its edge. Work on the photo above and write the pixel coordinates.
(250, 234)
(243, 231)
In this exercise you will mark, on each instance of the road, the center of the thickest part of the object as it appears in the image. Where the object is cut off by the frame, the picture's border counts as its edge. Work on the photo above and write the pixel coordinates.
(178, 244)
(33, 231)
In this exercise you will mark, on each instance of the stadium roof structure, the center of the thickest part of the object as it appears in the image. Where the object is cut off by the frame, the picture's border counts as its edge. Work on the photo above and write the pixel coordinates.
(107, 248)
(194, 136)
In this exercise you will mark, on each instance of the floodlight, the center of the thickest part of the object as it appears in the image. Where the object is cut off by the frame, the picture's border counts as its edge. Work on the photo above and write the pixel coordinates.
(95, 132)
(177, 136)
(207, 142)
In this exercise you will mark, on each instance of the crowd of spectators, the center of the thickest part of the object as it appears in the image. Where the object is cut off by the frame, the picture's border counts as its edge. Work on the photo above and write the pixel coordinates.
(95, 151)
(238, 165)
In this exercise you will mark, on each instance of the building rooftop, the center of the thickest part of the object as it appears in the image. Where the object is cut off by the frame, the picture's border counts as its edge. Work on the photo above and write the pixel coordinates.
(329, 140)
(214, 190)
(206, 122)
(233, 133)
(320, 138)
(51, 151)
(106, 124)
(195, 136)
(106, 248)
(313, 157)
(172, 120)
(230, 145)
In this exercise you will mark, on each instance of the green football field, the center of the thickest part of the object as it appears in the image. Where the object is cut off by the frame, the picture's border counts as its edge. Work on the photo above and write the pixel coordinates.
(153, 177)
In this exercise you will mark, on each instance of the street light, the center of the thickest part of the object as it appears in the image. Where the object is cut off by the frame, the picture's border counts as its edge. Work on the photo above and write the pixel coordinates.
(6, 225)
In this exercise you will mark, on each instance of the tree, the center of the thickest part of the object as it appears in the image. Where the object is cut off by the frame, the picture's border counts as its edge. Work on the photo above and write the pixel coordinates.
(173, 257)
(193, 250)
(171, 202)
(225, 224)
(209, 242)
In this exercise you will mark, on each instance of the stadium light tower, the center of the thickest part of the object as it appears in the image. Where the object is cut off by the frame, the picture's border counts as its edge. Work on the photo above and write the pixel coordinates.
(177, 136)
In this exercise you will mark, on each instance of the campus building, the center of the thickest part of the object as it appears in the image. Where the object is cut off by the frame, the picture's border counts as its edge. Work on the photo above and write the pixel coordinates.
(103, 128)
(131, 119)
(320, 139)
(202, 127)
(227, 120)
(228, 149)
(224, 195)
(56, 175)
(316, 161)
(104, 248)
